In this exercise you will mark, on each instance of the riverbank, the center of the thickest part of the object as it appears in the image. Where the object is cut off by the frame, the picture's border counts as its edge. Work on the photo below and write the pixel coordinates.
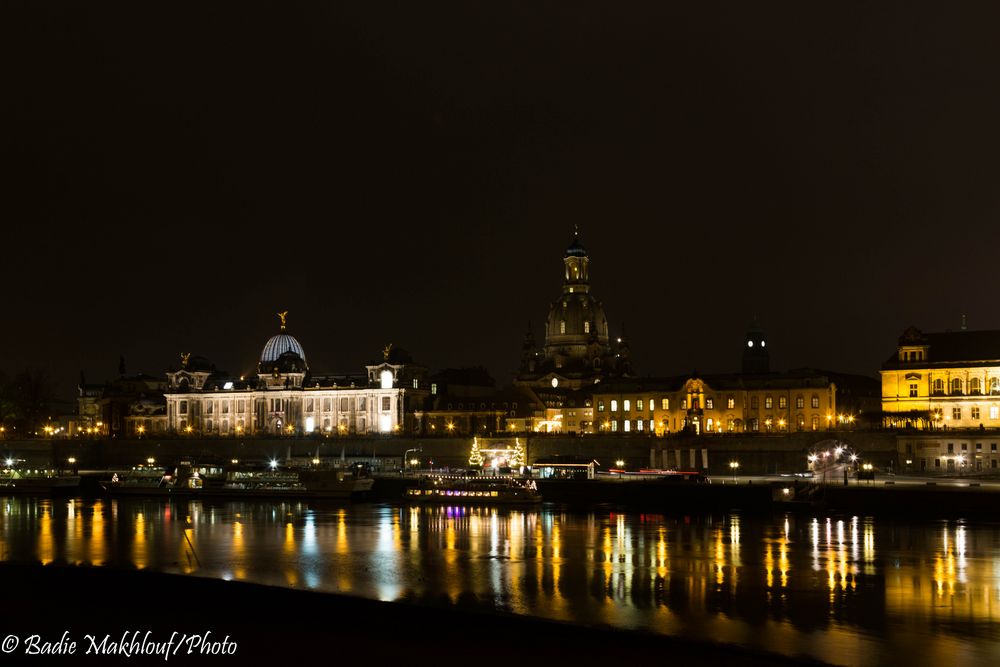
(279, 625)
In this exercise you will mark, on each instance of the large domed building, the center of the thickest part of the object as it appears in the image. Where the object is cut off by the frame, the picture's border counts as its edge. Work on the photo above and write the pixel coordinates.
(287, 398)
(578, 349)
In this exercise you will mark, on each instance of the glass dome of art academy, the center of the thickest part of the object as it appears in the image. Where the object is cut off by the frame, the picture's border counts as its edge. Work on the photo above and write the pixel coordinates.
(281, 343)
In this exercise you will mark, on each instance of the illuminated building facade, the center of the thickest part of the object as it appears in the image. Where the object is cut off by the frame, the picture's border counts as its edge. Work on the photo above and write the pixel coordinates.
(779, 402)
(286, 398)
(943, 380)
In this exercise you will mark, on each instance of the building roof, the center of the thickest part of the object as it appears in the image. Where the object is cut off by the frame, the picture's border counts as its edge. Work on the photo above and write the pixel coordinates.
(949, 348)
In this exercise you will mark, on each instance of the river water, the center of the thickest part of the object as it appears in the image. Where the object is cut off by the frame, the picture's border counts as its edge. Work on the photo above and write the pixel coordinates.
(853, 590)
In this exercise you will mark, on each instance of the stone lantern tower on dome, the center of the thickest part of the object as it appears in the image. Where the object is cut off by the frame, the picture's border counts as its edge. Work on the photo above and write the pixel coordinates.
(578, 350)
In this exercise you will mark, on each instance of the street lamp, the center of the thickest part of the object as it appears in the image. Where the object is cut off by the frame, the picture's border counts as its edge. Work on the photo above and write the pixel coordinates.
(621, 467)
(150, 460)
(734, 466)
(406, 454)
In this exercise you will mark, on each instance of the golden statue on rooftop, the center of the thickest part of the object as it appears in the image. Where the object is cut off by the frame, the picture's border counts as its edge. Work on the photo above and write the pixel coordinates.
(184, 359)
(385, 352)
(281, 316)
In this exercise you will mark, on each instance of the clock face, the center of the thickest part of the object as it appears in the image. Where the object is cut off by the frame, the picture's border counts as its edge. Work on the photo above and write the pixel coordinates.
(749, 343)
(555, 382)
(763, 343)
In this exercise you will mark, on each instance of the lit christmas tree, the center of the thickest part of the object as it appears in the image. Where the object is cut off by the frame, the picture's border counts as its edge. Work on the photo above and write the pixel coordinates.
(517, 458)
(475, 458)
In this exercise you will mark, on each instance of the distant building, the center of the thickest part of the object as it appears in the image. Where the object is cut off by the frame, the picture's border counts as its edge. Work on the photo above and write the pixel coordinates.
(769, 403)
(578, 349)
(943, 380)
(753, 401)
(285, 397)
(125, 406)
(465, 401)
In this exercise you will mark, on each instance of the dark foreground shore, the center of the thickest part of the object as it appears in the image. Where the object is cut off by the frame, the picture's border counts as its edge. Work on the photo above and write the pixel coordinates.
(283, 626)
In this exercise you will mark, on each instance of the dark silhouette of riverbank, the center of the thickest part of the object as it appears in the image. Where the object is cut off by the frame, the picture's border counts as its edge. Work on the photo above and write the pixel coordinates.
(280, 626)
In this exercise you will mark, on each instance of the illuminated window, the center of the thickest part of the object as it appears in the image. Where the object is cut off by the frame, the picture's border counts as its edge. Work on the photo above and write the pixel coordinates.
(614, 405)
(684, 404)
(562, 325)
(730, 402)
(710, 404)
(815, 422)
(782, 402)
(628, 426)
(638, 404)
(638, 424)
(975, 387)
(434, 388)
(614, 425)
(665, 404)
(627, 406)
(975, 412)
(768, 402)
(800, 402)
(994, 412)
(814, 401)
(600, 406)
(586, 327)
(956, 386)
(939, 386)
(995, 385)
(416, 383)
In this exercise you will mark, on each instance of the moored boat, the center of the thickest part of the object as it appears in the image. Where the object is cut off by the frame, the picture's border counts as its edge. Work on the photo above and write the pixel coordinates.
(474, 491)
(15, 479)
(155, 481)
(322, 484)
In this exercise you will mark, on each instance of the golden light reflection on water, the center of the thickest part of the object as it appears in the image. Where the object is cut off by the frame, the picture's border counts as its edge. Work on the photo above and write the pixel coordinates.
(799, 585)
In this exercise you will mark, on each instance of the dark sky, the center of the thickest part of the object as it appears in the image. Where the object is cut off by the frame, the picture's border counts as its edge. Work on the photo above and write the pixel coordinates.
(411, 172)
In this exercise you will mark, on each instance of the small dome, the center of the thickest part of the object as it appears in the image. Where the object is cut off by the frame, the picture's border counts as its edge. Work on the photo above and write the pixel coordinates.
(278, 345)
(287, 362)
(576, 248)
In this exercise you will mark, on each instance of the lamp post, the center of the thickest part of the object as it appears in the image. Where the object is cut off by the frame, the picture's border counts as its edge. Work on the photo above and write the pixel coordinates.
(734, 466)
(621, 466)
(406, 455)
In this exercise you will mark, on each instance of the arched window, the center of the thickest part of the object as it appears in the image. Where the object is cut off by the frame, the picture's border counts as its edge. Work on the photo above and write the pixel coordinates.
(995, 386)
(975, 386)
(939, 386)
(956, 386)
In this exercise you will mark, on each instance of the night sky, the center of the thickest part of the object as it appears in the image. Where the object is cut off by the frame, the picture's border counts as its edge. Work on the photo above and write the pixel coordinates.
(175, 173)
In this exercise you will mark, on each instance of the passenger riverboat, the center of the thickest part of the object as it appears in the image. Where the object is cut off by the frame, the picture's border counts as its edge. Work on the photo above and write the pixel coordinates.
(474, 491)
(321, 484)
(155, 481)
(18, 479)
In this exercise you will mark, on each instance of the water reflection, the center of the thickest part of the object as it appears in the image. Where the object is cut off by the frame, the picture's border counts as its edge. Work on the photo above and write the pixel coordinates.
(850, 590)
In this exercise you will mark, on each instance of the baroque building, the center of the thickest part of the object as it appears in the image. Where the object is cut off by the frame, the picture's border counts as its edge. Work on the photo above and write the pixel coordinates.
(285, 397)
(756, 400)
(943, 380)
(578, 349)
